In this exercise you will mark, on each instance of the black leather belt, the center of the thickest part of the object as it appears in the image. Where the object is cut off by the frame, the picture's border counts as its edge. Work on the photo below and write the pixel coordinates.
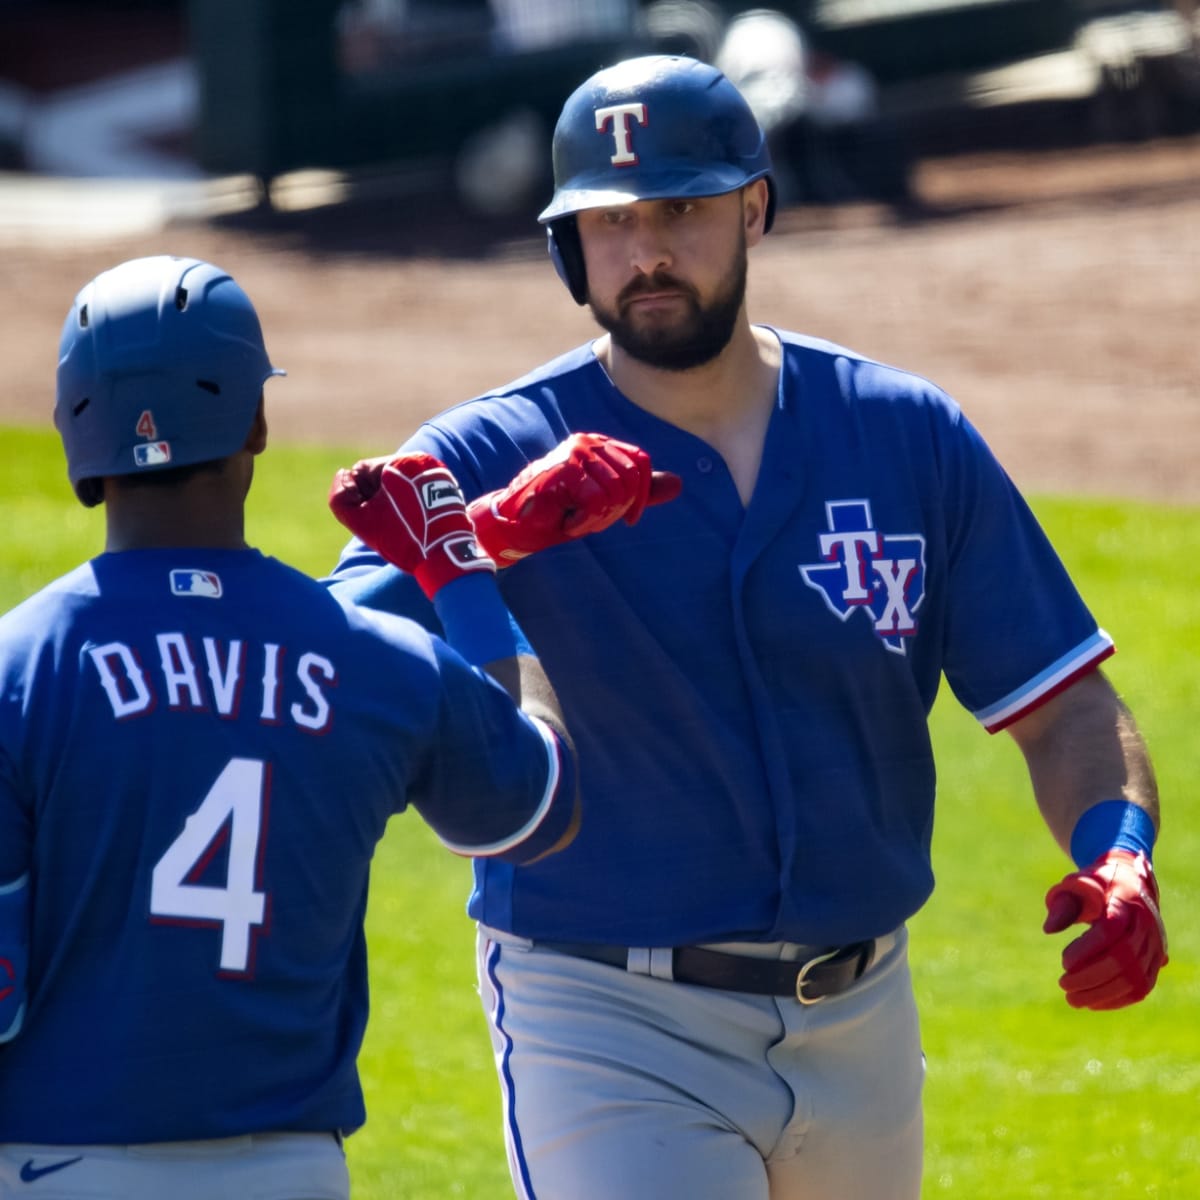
(808, 980)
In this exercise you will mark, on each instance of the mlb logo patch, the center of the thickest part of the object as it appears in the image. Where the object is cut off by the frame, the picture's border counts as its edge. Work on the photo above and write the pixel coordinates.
(185, 582)
(465, 552)
(152, 454)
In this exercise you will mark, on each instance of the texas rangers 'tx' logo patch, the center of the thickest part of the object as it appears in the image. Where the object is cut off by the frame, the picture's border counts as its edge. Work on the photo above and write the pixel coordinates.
(881, 575)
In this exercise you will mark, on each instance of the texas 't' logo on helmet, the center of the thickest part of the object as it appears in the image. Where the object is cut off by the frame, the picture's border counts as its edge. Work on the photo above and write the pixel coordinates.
(617, 119)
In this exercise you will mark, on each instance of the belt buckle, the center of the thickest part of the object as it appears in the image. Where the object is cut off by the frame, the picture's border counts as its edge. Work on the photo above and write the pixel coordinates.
(802, 978)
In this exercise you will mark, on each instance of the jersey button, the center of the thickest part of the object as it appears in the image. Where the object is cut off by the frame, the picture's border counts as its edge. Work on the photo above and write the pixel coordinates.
(704, 464)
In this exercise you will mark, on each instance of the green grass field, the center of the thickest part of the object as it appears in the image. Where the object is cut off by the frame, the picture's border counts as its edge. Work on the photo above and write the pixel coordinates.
(1024, 1097)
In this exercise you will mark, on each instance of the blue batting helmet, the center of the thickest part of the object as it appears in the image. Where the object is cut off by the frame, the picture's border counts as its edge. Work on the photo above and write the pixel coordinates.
(653, 128)
(161, 364)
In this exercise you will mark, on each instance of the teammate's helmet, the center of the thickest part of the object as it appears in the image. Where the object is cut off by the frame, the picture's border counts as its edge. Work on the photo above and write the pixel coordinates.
(653, 128)
(161, 364)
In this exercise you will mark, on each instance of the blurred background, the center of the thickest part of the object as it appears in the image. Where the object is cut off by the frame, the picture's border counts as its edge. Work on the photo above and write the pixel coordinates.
(227, 100)
(1001, 195)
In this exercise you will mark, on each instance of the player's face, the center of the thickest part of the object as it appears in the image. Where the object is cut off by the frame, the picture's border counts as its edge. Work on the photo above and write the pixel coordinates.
(667, 278)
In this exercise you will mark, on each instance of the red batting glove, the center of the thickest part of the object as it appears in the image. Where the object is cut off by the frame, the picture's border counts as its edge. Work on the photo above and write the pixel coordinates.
(411, 511)
(1116, 962)
(583, 485)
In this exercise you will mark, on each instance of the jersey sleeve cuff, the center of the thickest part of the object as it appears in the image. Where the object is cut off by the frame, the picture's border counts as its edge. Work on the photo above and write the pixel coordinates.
(1048, 683)
(548, 821)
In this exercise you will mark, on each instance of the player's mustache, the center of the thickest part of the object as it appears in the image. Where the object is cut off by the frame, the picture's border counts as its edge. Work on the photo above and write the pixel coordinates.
(658, 282)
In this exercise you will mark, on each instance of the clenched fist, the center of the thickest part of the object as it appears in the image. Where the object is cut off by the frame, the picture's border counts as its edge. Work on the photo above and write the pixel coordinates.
(1117, 961)
(583, 485)
(410, 510)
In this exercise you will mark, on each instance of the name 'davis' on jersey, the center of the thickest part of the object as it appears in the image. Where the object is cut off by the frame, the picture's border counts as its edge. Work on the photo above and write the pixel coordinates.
(214, 677)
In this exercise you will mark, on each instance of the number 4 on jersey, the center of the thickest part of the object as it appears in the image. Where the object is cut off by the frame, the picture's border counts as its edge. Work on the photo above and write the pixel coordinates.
(232, 811)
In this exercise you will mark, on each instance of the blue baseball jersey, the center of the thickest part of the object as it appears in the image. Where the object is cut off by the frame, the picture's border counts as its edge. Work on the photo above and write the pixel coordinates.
(199, 751)
(748, 686)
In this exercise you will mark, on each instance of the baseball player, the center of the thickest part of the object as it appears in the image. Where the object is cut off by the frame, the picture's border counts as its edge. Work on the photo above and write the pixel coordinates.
(199, 750)
(707, 994)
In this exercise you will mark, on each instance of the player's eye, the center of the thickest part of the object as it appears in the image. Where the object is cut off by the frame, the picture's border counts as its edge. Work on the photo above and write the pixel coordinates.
(680, 208)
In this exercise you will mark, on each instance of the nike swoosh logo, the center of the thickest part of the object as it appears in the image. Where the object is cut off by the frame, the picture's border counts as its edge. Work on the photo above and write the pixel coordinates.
(31, 1174)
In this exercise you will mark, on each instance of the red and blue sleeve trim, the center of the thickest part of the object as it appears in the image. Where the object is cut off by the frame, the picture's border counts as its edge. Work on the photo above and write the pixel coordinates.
(1054, 679)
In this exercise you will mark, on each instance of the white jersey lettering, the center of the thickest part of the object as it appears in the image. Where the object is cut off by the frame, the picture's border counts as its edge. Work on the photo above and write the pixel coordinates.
(179, 671)
(270, 684)
(315, 719)
(853, 545)
(895, 573)
(234, 809)
(226, 682)
(117, 664)
(213, 681)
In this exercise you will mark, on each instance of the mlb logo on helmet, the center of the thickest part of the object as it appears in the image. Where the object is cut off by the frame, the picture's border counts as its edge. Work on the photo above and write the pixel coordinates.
(190, 582)
(152, 454)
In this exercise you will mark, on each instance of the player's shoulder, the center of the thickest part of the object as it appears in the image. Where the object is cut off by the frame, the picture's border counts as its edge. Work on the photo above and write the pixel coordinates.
(46, 609)
(392, 655)
(487, 439)
(861, 378)
(386, 640)
(537, 396)
(324, 604)
(564, 371)
(374, 650)
(38, 634)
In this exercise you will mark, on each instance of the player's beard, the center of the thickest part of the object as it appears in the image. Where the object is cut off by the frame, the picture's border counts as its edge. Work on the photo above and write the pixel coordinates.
(697, 338)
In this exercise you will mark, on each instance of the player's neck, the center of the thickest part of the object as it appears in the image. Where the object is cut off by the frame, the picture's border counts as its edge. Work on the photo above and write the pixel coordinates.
(726, 402)
(733, 390)
(171, 519)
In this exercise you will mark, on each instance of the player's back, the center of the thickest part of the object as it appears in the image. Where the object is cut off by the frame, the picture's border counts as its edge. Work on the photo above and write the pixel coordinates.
(203, 748)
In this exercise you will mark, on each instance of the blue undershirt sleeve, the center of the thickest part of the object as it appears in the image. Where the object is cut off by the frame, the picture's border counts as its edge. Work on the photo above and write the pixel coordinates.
(477, 622)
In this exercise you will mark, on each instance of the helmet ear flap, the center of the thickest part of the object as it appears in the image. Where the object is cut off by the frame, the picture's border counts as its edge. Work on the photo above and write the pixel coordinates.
(566, 253)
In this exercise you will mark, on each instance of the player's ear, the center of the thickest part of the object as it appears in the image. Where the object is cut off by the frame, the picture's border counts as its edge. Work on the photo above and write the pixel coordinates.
(756, 199)
(256, 439)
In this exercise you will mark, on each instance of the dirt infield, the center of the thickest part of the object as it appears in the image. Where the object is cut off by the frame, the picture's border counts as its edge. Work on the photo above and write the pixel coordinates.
(1055, 296)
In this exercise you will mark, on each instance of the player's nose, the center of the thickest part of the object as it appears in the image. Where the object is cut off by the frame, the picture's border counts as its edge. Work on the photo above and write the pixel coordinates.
(649, 250)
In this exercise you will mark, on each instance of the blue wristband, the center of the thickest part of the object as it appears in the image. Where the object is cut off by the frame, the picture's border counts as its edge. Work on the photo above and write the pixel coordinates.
(476, 621)
(1111, 825)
